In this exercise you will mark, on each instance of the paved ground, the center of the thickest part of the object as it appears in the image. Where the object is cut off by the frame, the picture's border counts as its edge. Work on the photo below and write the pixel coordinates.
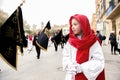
(112, 66)
(49, 66)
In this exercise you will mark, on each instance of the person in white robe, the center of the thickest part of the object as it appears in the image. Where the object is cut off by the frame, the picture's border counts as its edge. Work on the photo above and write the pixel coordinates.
(83, 57)
(118, 42)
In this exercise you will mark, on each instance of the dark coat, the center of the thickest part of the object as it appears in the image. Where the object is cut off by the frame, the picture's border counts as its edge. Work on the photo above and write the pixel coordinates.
(112, 38)
(35, 39)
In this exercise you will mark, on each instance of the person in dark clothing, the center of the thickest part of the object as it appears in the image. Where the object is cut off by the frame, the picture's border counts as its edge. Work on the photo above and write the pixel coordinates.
(56, 39)
(113, 42)
(55, 44)
(38, 50)
(56, 47)
(99, 36)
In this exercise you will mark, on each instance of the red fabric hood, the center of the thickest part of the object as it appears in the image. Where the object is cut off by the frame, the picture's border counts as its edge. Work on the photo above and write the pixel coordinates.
(88, 36)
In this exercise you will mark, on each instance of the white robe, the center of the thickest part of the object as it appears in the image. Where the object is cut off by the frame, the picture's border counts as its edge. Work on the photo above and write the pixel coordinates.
(118, 41)
(92, 68)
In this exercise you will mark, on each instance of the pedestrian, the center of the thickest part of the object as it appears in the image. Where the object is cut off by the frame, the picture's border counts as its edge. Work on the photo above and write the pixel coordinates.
(82, 55)
(99, 35)
(30, 37)
(113, 42)
(56, 39)
(118, 41)
(54, 42)
(30, 40)
(38, 50)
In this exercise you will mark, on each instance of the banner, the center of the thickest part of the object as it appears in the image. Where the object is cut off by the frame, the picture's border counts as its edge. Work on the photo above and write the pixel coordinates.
(43, 37)
(21, 39)
(57, 38)
(65, 38)
(11, 35)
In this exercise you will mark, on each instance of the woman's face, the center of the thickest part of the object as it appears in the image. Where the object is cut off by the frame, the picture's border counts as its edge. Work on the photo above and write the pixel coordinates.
(76, 28)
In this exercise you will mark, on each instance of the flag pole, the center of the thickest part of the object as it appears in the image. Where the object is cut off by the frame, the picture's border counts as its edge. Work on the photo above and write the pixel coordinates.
(23, 1)
(21, 4)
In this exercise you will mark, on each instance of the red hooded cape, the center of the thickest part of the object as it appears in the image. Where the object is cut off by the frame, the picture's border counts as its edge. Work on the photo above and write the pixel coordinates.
(83, 45)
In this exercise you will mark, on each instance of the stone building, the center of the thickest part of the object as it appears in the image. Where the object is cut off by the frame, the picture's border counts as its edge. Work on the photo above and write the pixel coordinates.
(107, 17)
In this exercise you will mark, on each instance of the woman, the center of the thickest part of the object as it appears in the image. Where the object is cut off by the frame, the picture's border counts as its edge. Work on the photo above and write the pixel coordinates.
(82, 55)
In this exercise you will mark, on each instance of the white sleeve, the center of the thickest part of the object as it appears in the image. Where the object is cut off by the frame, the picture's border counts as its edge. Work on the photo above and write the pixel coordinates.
(117, 38)
(95, 65)
(66, 56)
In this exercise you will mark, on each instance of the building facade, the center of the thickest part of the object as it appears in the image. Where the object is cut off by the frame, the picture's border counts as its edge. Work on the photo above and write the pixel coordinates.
(93, 22)
(108, 17)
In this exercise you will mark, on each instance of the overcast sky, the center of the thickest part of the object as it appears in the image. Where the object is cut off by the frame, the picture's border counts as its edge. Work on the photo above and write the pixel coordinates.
(57, 11)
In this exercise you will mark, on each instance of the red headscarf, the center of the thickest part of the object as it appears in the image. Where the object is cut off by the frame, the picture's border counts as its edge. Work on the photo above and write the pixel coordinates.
(83, 45)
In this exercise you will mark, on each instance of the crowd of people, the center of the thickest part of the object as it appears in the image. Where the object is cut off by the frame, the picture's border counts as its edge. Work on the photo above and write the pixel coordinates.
(82, 52)
(113, 40)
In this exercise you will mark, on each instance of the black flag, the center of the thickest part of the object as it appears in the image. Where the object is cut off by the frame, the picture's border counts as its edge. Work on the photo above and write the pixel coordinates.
(22, 41)
(43, 38)
(65, 38)
(11, 35)
(57, 38)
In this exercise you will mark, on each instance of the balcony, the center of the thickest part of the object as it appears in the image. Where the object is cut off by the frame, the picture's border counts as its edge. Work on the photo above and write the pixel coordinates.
(113, 10)
(109, 10)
